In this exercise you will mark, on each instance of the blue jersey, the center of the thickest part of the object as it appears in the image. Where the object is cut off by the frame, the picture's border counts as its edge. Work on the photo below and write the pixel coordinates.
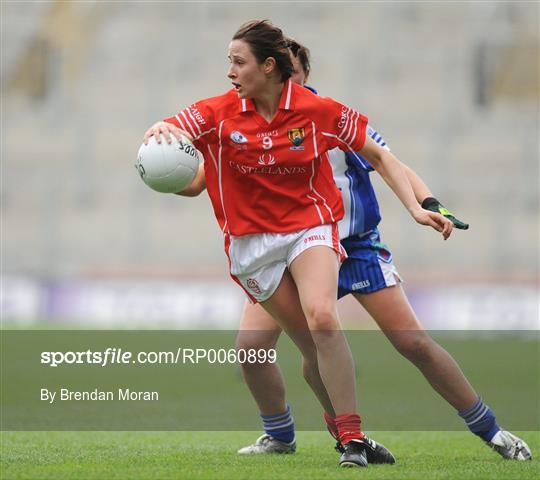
(351, 174)
(369, 266)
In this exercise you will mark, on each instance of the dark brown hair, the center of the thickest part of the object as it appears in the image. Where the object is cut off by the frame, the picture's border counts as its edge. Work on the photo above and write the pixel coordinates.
(266, 40)
(301, 53)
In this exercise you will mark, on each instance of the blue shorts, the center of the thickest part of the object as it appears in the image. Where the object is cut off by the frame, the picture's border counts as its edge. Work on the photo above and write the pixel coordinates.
(369, 266)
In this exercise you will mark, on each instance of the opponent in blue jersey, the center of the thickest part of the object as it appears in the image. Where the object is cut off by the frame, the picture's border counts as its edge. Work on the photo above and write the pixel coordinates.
(371, 277)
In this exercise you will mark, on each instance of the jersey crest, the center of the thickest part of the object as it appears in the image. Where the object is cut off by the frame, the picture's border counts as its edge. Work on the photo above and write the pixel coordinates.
(296, 136)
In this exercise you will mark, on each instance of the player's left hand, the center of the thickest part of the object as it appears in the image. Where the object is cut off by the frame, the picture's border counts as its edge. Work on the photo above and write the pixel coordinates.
(434, 205)
(165, 130)
(434, 220)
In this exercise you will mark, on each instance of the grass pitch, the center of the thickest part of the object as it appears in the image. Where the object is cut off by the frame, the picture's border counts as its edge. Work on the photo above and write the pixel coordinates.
(212, 455)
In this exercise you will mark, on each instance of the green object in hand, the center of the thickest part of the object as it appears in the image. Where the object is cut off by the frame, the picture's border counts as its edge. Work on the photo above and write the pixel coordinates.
(434, 205)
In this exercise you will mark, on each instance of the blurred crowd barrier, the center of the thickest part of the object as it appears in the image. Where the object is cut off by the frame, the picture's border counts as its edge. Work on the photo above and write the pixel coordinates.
(214, 304)
(453, 88)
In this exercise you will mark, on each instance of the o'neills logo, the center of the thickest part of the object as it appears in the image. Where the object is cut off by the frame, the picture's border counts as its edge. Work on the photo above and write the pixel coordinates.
(312, 238)
(267, 169)
(253, 285)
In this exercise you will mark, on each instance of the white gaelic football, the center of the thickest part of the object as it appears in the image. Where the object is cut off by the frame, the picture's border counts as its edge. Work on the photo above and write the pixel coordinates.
(168, 167)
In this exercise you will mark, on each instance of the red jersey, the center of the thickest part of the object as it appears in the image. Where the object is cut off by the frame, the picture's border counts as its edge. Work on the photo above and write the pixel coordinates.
(272, 177)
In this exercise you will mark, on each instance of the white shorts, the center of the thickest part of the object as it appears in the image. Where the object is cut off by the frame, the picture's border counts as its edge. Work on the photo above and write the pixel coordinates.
(257, 262)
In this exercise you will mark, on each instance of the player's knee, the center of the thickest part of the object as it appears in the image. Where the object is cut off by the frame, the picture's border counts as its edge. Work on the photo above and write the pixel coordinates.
(415, 346)
(250, 341)
(322, 315)
(255, 340)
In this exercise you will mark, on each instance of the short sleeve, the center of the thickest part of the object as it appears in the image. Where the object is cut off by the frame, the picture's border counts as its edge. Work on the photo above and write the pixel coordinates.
(198, 120)
(343, 126)
(376, 136)
(357, 159)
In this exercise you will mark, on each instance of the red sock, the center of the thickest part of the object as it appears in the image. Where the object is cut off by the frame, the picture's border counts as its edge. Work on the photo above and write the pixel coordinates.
(348, 425)
(331, 425)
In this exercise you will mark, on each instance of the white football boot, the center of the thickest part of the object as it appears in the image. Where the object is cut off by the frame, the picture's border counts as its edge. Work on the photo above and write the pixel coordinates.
(268, 444)
(509, 446)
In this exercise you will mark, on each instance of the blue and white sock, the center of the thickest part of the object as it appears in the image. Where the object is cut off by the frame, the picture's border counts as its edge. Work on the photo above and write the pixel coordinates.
(481, 420)
(280, 426)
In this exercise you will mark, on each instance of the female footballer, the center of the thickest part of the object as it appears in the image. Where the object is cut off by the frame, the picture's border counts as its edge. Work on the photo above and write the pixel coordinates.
(273, 193)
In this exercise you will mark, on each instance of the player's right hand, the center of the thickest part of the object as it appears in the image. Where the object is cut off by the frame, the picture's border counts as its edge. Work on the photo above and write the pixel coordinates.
(166, 129)
(434, 220)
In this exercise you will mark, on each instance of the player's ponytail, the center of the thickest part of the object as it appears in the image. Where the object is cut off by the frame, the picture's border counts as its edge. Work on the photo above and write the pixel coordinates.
(300, 52)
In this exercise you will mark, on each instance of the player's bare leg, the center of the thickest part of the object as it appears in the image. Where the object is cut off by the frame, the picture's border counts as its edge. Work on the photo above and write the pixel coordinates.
(258, 330)
(285, 307)
(315, 272)
(265, 381)
(391, 310)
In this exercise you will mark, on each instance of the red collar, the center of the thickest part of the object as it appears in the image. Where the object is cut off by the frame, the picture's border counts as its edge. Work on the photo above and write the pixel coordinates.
(285, 101)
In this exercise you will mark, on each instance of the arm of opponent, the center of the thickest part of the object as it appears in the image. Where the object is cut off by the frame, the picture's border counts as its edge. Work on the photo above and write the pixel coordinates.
(421, 190)
(390, 168)
(427, 200)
